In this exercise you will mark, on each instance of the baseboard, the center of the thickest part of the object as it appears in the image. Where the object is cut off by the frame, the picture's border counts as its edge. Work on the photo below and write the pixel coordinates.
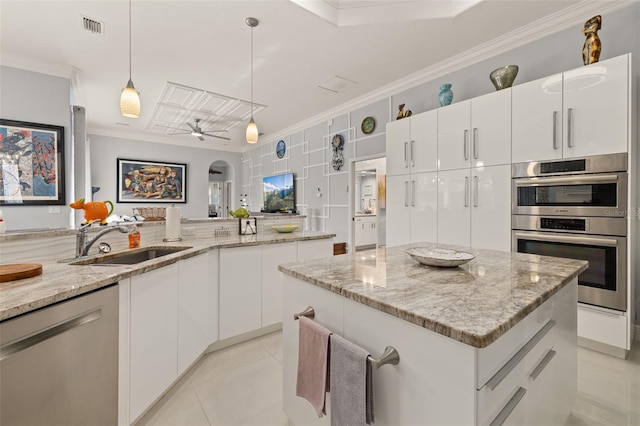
(220, 344)
(594, 345)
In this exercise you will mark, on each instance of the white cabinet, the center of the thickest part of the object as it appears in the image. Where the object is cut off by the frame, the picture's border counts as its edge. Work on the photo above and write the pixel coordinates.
(412, 205)
(153, 336)
(475, 132)
(366, 230)
(193, 309)
(474, 207)
(272, 256)
(314, 249)
(240, 290)
(578, 113)
(412, 144)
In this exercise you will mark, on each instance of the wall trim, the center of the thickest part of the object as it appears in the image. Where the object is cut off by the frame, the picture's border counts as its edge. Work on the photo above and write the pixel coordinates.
(556, 22)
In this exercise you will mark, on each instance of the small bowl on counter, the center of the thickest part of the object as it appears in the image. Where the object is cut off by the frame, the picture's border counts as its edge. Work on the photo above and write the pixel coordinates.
(285, 229)
(435, 256)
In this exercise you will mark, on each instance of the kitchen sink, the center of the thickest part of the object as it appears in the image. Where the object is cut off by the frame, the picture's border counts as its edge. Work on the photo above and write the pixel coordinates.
(131, 257)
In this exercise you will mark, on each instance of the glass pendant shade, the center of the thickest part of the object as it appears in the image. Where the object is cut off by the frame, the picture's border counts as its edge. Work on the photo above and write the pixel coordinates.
(130, 101)
(252, 132)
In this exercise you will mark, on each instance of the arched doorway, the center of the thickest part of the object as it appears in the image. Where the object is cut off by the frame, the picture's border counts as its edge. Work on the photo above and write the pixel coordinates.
(221, 188)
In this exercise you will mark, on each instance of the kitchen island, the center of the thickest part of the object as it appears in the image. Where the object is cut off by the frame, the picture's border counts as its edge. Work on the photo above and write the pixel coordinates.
(489, 342)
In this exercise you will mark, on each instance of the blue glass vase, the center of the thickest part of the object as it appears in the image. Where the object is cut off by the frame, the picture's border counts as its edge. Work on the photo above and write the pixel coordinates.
(446, 95)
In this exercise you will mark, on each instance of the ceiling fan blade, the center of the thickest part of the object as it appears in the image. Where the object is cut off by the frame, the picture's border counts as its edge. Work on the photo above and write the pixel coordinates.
(188, 132)
(195, 129)
(201, 138)
(168, 127)
(210, 132)
(219, 137)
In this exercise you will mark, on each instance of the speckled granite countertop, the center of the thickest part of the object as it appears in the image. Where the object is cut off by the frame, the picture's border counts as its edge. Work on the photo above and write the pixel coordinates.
(61, 281)
(475, 303)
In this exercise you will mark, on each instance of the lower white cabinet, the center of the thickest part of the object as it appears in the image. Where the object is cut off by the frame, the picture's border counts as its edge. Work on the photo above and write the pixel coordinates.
(526, 377)
(366, 230)
(240, 290)
(193, 310)
(314, 249)
(272, 256)
(153, 348)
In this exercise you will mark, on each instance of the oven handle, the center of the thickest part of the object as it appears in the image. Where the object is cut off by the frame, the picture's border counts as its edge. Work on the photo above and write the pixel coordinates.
(571, 180)
(610, 242)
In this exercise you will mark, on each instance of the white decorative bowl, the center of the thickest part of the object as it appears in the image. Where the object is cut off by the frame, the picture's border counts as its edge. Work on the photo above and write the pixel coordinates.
(435, 256)
(285, 228)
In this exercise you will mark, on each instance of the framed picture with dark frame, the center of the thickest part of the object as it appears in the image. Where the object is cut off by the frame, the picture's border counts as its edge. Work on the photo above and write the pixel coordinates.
(141, 181)
(32, 164)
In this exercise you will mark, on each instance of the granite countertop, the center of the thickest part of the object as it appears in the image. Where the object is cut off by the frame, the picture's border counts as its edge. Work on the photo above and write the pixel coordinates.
(61, 281)
(475, 303)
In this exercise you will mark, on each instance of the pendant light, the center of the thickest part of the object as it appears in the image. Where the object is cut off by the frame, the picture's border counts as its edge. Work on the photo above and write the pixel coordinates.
(129, 98)
(252, 129)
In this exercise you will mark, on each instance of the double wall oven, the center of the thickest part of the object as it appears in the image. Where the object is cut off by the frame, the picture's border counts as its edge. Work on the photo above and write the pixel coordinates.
(576, 208)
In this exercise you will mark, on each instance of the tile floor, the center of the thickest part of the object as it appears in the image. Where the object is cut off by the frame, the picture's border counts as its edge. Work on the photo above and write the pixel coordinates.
(242, 385)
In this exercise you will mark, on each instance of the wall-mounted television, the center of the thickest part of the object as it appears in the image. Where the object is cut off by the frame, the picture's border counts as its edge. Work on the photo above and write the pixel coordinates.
(279, 193)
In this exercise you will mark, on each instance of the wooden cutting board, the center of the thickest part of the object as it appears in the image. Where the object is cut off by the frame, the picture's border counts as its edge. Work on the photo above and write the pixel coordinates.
(18, 271)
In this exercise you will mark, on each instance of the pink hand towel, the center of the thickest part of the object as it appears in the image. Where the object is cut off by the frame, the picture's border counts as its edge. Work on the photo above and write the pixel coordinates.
(313, 353)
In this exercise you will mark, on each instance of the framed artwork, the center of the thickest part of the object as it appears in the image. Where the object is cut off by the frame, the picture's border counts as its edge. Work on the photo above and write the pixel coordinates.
(142, 181)
(32, 163)
(382, 191)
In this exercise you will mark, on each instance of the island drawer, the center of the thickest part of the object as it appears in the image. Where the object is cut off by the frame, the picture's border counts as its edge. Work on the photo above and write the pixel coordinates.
(508, 389)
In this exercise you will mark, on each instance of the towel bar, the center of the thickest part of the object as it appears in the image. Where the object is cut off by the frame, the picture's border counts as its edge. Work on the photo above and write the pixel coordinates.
(389, 356)
(309, 313)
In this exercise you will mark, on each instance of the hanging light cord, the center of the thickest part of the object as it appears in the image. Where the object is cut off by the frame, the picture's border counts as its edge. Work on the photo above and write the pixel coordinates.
(129, 40)
(251, 73)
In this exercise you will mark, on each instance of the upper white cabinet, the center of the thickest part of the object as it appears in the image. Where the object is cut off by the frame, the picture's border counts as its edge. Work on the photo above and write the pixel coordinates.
(476, 132)
(578, 113)
(412, 144)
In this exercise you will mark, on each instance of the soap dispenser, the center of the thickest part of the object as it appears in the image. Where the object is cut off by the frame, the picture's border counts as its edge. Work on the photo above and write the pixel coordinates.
(134, 237)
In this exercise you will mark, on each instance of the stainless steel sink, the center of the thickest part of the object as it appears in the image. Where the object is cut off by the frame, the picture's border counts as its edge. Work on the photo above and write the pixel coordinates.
(131, 257)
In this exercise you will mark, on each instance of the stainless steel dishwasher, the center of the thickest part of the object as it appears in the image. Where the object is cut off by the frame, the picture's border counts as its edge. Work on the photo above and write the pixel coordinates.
(59, 365)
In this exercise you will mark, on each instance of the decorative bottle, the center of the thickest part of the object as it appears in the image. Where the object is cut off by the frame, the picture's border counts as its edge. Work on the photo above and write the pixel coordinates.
(446, 95)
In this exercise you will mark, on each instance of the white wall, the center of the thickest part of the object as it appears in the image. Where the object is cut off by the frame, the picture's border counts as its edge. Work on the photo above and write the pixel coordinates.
(106, 150)
(309, 151)
(38, 98)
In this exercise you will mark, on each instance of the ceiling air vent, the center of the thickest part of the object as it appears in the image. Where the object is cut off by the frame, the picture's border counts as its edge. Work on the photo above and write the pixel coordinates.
(93, 26)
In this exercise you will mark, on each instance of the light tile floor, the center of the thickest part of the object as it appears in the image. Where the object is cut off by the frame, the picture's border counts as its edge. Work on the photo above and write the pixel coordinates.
(242, 385)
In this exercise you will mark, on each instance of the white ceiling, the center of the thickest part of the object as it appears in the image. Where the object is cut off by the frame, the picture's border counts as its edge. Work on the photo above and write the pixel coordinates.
(205, 45)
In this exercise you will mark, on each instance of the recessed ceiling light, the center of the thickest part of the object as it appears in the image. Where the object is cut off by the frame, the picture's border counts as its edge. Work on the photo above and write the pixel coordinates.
(337, 84)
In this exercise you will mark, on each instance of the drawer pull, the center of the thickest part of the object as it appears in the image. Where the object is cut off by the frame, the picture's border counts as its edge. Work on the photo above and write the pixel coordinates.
(510, 365)
(541, 366)
(39, 336)
(511, 405)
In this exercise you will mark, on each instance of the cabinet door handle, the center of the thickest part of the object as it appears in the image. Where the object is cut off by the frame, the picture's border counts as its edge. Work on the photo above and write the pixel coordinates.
(413, 193)
(536, 371)
(406, 162)
(475, 143)
(466, 191)
(413, 150)
(475, 191)
(466, 144)
(569, 127)
(511, 405)
(555, 129)
(406, 193)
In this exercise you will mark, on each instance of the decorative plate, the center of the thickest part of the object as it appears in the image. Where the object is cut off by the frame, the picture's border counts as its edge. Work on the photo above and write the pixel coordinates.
(368, 125)
(285, 228)
(435, 256)
(281, 148)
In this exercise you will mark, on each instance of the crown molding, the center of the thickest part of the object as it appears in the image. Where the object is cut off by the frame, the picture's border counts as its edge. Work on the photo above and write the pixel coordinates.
(39, 66)
(549, 25)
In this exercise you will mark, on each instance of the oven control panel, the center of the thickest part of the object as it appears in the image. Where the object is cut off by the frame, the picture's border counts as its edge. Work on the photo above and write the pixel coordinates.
(565, 224)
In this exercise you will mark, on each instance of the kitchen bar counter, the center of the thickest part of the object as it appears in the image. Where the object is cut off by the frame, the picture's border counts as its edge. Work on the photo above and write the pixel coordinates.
(475, 303)
(62, 281)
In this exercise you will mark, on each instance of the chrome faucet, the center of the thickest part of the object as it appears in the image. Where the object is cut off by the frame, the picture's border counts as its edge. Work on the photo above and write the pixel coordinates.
(83, 244)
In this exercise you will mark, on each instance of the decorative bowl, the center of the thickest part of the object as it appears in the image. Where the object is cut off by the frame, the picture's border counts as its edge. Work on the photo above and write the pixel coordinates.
(503, 77)
(435, 256)
(285, 228)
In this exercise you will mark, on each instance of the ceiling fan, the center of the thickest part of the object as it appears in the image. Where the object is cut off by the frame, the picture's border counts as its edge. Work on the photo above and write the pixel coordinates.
(197, 131)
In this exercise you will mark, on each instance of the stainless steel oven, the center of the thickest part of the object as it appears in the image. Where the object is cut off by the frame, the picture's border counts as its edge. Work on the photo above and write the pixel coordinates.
(600, 240)
(590, 186)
